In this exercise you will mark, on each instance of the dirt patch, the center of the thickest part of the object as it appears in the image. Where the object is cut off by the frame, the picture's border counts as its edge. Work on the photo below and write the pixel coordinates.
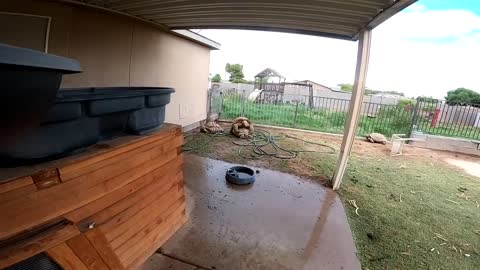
(223, 148)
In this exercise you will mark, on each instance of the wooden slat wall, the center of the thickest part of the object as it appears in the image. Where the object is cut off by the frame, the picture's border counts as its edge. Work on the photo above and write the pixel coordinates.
(24, 249)
(87, 253)
(16, 184)
(64, 256)
(125, 201)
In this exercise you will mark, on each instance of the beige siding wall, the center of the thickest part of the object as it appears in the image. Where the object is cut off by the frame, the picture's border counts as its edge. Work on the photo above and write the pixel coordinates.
(115, 50)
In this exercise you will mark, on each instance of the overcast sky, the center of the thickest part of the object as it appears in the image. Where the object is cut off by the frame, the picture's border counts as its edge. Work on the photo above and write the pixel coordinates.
(428, 49)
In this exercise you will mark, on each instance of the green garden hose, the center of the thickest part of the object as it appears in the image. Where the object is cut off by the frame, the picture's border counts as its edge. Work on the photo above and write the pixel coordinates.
(259, 143)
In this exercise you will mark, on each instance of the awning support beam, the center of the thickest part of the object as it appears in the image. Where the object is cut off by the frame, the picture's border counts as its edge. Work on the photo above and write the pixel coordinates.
(355, 108)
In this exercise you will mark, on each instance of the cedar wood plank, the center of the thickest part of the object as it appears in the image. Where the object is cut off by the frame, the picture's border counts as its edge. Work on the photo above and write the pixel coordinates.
(67, 175)
(66, 258)
(17, 193)
(87, 253)
(97, 239)
(117, 195)
(134, 200)
(135, 211)
(124, 231)
(167, 130)
(156, 228)
(26, 212)
(15, 184)
(143, 257)
(25, 249)
(131, 161)
(154, 240)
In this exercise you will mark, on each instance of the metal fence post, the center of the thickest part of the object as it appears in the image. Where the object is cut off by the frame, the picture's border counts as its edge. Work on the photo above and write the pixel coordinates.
(295, 116)
(220, 112)
(209, 102)
(243, 103)
(414, 118)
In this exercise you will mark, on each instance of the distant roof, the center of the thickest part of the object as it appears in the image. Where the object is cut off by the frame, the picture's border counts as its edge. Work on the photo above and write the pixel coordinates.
(306, 81)
(269, 72)
(336, 19)
(198, 38)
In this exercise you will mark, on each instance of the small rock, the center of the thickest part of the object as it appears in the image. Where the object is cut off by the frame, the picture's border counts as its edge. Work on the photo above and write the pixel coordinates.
(257, 171)
(467, 255)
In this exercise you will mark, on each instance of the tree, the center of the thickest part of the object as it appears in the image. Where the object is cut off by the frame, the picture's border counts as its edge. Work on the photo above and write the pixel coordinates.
(236, 73)
(346, 87)
(462, 96)
(217, 78)
(349, 88)
(428, 99)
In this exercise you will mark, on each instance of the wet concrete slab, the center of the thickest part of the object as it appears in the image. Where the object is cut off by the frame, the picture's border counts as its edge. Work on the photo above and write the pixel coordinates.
(162, 262)
(279, 222)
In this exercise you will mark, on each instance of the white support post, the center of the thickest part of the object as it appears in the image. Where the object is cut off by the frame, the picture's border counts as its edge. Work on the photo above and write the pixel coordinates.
(355, 107)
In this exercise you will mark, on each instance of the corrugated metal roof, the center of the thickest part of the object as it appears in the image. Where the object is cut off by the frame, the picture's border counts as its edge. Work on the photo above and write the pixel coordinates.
(331, 18)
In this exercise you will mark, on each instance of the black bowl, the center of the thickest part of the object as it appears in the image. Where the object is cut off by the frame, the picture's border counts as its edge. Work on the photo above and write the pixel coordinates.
(240, 175)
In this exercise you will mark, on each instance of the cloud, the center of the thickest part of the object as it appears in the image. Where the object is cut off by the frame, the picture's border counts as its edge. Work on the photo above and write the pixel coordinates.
(426, 52)
(419, 52)
(418, 22)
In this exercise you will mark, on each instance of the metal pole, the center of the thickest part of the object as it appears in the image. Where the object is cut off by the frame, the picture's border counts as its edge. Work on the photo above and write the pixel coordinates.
(209, 102)
(295, 116)
(414, 118)
(355, 108)
(243, 103)
(221, 105)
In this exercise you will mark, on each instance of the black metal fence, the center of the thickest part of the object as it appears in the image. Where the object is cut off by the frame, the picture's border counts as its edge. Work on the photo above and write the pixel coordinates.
(329, 114)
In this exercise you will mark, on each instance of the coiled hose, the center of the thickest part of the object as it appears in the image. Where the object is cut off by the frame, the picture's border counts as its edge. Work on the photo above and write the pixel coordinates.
(264, 144)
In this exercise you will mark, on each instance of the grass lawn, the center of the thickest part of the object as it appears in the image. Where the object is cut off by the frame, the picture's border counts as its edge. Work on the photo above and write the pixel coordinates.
(415, 211)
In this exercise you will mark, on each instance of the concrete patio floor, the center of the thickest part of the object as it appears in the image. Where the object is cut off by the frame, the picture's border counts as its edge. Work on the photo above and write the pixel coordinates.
(279, 222)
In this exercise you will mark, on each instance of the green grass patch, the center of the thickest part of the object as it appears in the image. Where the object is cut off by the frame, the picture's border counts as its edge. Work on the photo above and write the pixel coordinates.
(394, 234)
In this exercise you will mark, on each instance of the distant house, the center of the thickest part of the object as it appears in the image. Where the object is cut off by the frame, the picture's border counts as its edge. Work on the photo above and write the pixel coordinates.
(320, 90)
(316, 86)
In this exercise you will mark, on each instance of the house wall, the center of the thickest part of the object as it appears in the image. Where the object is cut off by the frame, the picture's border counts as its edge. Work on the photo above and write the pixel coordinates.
(116, 50)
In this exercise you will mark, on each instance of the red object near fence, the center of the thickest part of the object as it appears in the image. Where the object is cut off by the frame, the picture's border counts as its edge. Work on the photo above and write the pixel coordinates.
(435, 118)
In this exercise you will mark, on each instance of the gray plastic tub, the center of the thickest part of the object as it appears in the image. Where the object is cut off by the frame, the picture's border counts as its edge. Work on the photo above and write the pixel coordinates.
(30, 81)
(82, 117)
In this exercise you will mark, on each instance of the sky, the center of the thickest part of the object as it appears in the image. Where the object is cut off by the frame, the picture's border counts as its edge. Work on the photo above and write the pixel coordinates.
(426, 50)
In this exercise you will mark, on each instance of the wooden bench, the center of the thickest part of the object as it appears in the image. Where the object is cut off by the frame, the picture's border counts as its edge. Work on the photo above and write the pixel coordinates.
(110, 207)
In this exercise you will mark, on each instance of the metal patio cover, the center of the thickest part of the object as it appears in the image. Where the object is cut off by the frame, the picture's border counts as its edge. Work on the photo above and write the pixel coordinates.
(343, 19)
